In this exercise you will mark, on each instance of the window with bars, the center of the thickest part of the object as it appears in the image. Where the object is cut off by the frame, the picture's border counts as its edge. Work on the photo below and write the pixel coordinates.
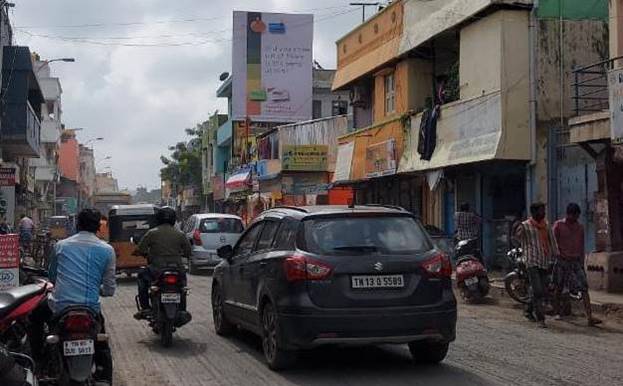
(390, 94)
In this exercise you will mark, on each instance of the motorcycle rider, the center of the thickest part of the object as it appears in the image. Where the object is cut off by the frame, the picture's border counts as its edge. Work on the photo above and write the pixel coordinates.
(164, 246)
(82, 267)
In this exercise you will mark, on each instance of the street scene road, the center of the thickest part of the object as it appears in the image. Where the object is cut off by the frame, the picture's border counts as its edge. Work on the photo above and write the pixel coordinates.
(495, 346)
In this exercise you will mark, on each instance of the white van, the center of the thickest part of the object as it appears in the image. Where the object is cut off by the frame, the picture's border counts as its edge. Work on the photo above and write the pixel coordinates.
(208, 232)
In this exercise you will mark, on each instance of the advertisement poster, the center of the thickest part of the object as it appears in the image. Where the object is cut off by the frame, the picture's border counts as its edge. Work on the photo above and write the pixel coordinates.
(9, 262)
(272, 66)
(381, 159)
(344, 161)
(7, 195)
(305, 157)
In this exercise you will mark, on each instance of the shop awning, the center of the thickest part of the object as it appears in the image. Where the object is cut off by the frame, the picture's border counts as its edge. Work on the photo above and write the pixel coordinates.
(239, 181)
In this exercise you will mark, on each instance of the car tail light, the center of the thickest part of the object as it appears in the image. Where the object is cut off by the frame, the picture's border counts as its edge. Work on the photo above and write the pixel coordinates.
(300, 268)
(197, 237)
(78, 323)
(170, 279)
(438, 266)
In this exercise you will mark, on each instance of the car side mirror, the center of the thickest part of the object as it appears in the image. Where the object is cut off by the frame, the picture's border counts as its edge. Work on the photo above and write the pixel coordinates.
(225, 252)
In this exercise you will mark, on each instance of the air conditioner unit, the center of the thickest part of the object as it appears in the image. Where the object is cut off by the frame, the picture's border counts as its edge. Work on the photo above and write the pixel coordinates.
(359, 96)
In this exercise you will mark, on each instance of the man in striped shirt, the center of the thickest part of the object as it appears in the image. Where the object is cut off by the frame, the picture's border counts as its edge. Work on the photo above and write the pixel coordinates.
(540, 248)
(467, 223)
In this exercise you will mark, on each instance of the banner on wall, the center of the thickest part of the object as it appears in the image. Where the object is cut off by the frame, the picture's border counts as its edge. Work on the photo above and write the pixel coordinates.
(305, 158)
(7, 194)
(381, 159)
(9, 262)
(272, 66)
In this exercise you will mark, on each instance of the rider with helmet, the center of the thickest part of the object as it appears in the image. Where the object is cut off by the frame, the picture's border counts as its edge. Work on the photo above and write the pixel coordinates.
(164, 246)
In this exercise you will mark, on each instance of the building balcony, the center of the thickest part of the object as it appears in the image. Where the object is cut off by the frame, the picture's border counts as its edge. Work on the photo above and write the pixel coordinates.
(50, 131)
(22, 97)
(20, 130)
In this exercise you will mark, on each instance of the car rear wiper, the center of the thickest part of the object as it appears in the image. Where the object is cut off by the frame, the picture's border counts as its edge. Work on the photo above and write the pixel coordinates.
(362, 248)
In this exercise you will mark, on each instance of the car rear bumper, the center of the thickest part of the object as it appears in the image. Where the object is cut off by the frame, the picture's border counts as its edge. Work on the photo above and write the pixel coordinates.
(363, 328)
(204, 258)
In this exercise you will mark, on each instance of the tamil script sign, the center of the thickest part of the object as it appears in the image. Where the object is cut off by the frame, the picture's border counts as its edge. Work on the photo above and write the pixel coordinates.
(9, 262)
(304, 157)
(615, 89)
(272, 66)
(381, 159)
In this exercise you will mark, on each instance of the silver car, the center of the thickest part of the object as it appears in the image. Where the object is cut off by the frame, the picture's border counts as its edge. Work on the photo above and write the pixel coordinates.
(208, 232)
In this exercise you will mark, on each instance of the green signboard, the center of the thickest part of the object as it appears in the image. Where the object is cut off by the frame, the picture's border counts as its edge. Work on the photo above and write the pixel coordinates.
(573, 9)
(304, 158)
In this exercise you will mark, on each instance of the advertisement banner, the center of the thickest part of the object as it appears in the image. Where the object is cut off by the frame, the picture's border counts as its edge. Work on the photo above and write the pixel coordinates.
(272, 66)
(381, 159)
(615, 89)
(305, 157)
(7, 194)
(268, 168)
(343, 165)
(9, 262)
(218, 187)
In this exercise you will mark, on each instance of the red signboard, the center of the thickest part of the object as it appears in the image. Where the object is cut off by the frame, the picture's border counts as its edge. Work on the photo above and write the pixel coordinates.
(9, 261)
(7, 177)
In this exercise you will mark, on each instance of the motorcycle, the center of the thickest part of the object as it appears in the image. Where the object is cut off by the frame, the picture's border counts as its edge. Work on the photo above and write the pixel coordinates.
(516, 281)
(16, 304)
(471, 274)
(72, 347)
(16, 369)
(168, 299)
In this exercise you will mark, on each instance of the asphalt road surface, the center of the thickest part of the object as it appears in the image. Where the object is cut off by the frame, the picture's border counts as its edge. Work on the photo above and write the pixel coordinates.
(495, 346)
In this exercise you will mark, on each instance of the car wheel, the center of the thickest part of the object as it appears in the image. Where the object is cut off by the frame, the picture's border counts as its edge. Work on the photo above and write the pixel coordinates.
(429, 352)
(276, 357)
(222, 326)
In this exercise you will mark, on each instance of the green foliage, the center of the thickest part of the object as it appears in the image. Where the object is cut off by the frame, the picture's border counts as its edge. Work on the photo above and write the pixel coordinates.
(183, 165)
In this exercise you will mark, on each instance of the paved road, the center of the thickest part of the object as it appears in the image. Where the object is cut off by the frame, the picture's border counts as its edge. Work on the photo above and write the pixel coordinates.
(495, 346)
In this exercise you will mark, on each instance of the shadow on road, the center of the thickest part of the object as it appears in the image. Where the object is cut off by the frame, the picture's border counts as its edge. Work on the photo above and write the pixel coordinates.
(374, 365)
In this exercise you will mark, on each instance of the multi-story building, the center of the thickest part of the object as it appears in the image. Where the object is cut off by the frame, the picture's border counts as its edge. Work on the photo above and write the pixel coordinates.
(46, 168)
(86, 176)
(106, 183)
(461, 101)
(68, 186)
(20, 107)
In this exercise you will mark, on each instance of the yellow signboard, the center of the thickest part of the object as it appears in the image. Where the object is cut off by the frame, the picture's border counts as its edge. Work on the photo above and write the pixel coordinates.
(304, 157)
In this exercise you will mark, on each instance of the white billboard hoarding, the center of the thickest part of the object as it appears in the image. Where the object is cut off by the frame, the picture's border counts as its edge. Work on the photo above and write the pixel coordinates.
(272, 67)
(615, 88)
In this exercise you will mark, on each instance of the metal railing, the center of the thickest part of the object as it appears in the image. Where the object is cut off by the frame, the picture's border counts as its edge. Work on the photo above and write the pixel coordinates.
(590, 87)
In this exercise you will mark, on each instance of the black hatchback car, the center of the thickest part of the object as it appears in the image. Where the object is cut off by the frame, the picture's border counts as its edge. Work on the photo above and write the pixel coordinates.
(302, 277)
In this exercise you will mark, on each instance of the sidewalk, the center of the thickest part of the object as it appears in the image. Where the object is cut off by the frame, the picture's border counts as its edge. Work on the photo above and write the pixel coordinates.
(604, 303)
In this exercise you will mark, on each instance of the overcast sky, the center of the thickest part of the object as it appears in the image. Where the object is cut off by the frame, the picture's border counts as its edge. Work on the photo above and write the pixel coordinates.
(147, 69)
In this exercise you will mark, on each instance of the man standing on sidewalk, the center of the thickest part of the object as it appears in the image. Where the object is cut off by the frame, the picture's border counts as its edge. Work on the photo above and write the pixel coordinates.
(569, 266)
(467, 223)
(539, 246)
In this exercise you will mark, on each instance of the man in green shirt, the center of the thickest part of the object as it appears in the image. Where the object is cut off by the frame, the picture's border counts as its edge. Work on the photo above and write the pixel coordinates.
(164, 246)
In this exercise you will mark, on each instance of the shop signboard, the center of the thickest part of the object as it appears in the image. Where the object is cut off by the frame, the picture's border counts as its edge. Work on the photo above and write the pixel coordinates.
(272, 67)
(344, 162)
(7, 194)
(381, 159)
(9, 261)
(268, 168)
(305, 158)
(218, 187)
(314, 183)
(615, 89)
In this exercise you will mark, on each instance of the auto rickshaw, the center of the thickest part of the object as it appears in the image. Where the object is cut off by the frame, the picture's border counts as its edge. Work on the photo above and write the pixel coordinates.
(59, 227)
(127, 224)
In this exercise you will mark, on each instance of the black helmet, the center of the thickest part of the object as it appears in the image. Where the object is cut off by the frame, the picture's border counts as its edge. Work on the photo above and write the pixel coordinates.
(166, 215)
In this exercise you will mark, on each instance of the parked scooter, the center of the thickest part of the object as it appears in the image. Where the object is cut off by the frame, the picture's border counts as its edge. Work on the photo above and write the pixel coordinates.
(168, 303)
(16, 369)
(516, 281)
(471, 274)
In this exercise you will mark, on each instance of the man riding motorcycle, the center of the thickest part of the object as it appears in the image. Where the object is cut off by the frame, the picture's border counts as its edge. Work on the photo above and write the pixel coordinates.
(82, 267)
(164, 246)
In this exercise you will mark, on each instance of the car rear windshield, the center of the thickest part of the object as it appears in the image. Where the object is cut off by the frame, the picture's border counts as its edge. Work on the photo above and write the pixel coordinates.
(398, 235)
(221, 225)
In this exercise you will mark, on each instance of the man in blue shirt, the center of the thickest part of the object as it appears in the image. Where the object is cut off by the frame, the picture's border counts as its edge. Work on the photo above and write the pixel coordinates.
(82, 268)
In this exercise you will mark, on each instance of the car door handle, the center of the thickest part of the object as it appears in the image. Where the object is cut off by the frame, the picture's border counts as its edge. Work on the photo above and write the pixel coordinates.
(263, 264)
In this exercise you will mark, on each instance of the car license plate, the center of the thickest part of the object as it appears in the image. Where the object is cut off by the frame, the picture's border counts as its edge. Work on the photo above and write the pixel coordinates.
(170, 298)
(73, 348)
(471, 280)
(378, 281)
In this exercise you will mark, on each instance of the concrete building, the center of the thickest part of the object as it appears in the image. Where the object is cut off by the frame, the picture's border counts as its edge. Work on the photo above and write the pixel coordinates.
(68, 185)
(46, 168)
(106, 183)
(87, 176)
(461, 101)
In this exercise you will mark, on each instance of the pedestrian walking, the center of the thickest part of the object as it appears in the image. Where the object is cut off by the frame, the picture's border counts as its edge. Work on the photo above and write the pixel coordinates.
(467, 223)
(569, 270)
(539, 246)
(26, 229)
